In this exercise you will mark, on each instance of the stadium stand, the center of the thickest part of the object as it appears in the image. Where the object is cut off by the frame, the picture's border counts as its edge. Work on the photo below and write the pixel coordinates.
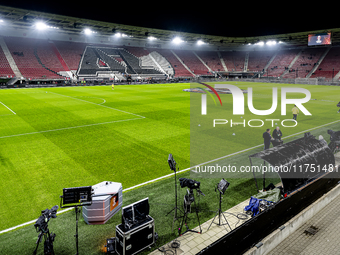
(234, 60)
(192, 62)
(281, 62)
(330, 62)
(259, 59)
(179, 69)
(211, 59)
(305, 63)
(46, 59)
(5, 68)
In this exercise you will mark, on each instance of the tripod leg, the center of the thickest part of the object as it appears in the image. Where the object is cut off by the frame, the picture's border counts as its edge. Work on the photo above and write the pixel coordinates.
(184, 220)
(198, 218)
(39, 240)
(226, 221)
(213, 220)
(76, 235)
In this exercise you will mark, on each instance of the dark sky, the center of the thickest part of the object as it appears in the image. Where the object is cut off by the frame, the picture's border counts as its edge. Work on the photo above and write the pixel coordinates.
(239, 18)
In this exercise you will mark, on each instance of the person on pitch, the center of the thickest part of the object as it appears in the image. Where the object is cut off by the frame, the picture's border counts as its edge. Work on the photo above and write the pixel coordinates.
(295, 112)
(267, 139)
(113, 86)
(277, 134)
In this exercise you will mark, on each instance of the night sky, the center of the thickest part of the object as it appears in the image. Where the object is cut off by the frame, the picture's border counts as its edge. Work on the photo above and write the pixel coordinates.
(239, 18)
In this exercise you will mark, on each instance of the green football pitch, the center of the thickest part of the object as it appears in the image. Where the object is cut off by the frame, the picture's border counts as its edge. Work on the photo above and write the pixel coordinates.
(53, 138)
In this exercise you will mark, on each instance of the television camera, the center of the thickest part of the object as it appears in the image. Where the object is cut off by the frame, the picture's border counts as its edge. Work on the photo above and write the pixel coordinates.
(191, 184)
(41, 225)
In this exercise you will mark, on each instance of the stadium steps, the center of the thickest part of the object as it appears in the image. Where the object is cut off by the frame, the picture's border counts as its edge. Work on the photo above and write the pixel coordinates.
(222, 61)
(60, 58)
(269, 62)
(319, 62)
(291, 64)
(202, 62)
(337, 76)
(43, 65)
(180, 60)
(163, 62)
(9, 57)
(149, 60)
(246, 61)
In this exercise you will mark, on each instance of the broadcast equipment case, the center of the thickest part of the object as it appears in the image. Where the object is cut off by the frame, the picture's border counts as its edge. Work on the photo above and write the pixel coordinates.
(140, 236)
(105, 206)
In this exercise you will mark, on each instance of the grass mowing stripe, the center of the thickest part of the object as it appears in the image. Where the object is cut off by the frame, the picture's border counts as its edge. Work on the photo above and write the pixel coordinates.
(98, 104)
(66, 128)
(179, 172)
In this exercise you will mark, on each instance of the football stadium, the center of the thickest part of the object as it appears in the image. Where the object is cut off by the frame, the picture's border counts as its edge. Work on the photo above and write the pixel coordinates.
(122, 139)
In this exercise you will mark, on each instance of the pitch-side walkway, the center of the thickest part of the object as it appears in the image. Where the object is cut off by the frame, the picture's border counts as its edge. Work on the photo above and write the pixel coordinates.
(191, 243)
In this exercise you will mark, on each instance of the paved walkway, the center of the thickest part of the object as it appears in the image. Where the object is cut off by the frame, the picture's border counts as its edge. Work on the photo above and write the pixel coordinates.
(191, 243)
(324, 241)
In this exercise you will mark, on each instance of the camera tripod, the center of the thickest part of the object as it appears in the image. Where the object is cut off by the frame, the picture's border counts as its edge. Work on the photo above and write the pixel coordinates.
(219, 213)
(176, 208)
(190, 196)
(48, 242)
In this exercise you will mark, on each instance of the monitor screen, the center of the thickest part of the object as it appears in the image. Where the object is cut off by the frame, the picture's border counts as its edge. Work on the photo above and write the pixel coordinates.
(319, 39)
(77, 195)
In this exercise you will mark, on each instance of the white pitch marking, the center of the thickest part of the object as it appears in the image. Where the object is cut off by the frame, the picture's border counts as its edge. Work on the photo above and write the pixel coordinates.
(99, 105)
(8, 108)
(66, 128)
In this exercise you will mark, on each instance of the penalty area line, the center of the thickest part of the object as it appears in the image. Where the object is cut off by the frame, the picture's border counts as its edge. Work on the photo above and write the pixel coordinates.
(7, 107)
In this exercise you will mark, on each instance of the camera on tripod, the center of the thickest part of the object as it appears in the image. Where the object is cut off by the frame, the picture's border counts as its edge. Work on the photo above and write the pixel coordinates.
(41, 225)
(191, 184)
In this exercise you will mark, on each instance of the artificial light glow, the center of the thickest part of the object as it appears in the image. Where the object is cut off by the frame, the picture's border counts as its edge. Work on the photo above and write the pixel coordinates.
(200, 42)
(151, 38)
(177, 40)
(88, 31)
(41, 25)
(121, 35)
(261, 43)
(271, 43)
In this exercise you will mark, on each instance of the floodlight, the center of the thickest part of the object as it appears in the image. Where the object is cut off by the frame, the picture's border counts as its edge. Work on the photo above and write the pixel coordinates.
(88, 31)
(177, 40)
(270, 43)
(261, 43)
(151, 38)
(41, 25)
(200, 42)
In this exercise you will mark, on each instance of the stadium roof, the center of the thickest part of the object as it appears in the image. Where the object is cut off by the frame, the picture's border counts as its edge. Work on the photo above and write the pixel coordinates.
(26, 19)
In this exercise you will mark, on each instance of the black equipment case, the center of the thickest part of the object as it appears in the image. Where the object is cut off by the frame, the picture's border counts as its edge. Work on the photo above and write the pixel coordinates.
(132, 240)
